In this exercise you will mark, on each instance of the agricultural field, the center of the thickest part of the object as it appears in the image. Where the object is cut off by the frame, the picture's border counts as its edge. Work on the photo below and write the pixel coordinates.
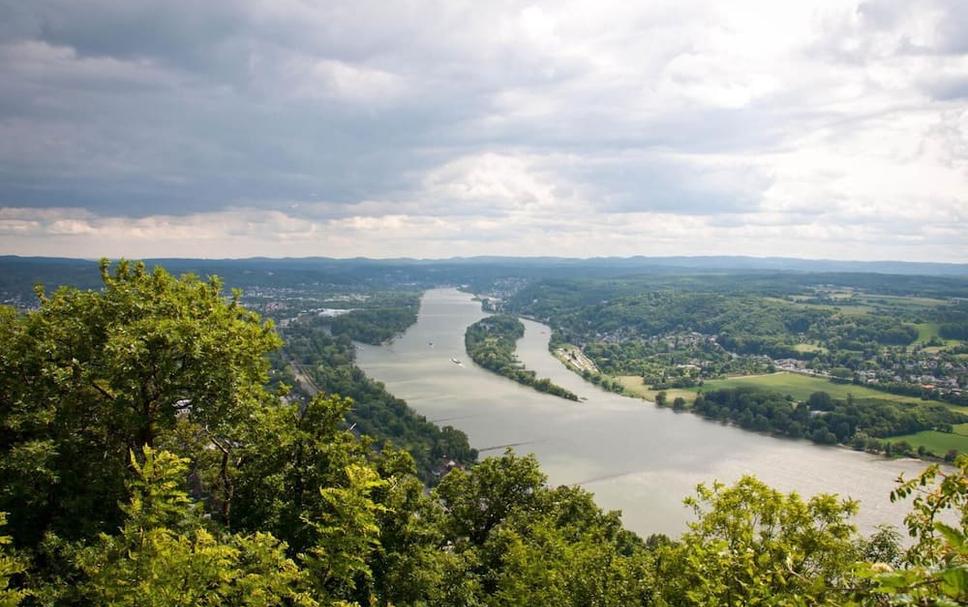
(634, 386)
(938, 443)
(801, 387)
(796, 385)
(928, 331)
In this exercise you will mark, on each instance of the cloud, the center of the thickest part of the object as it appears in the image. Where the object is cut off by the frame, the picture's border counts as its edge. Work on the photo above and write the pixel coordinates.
(451, 128)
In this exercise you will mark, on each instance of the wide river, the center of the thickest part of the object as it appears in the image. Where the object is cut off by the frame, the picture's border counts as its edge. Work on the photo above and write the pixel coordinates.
(632, 455)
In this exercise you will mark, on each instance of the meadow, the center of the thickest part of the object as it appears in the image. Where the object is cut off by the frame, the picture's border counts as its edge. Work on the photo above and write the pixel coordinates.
(938, 443)
(797, 385)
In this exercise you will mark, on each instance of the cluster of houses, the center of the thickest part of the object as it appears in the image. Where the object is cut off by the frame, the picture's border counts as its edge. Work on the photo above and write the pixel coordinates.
(946, 381)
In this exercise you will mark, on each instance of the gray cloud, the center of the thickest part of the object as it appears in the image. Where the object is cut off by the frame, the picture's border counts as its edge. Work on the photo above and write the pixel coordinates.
(478, 122)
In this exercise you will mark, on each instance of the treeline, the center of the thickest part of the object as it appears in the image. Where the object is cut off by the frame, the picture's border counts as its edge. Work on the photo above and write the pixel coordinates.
(490, 342)
(329, 361)
(954, 321)
(923, 392)
(952, 330)
(603, 381)
(823, 419)
(143, 462)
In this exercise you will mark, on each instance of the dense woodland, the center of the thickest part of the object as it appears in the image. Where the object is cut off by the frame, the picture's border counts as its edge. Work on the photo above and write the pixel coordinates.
(491, 341)
(143, 461)
(375, 326)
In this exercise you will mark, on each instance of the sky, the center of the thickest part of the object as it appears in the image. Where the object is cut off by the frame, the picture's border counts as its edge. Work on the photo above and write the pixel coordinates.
(185, 128)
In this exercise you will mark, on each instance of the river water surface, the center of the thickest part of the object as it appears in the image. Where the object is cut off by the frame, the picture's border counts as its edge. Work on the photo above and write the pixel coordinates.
(633, 456)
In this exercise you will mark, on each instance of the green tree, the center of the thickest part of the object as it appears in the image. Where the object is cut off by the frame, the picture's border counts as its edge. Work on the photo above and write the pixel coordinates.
(821, 401)
(480, 499)
(9, 567)
(566, 552)
(93, 375)
(936, 571)
(164, 557)
(347, 533)
(752, 545)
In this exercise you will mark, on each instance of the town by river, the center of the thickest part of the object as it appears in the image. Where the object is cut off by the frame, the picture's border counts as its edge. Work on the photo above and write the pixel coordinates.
(633, 456)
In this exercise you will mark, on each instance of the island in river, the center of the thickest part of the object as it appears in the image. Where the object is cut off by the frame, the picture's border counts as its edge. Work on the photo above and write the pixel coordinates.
(491, 341)
(642, 460)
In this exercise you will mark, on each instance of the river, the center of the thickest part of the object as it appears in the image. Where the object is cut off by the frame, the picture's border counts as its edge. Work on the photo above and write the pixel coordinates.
(634, 456)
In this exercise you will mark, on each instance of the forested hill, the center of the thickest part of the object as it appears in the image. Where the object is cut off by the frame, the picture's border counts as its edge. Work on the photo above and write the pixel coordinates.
(143, 461)
(19, 274)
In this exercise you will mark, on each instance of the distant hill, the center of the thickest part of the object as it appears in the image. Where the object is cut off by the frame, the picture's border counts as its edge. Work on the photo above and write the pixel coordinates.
(19, 274)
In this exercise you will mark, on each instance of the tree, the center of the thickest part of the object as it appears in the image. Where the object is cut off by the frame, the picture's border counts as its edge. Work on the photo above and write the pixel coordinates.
(937, 571)
(754, 545)
(480, 499)
(566, 553)
(164, 557)
(883, 546)
(347, 533)
(92, 376)
(821, 401)
(9, 567)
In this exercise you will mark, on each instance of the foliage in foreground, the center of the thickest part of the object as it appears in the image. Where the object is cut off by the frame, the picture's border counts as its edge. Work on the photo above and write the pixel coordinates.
(144, 464)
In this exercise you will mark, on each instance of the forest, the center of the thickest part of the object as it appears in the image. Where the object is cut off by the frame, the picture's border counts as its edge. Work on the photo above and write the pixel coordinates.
(376, 325)
(147, 459)
(490, 342)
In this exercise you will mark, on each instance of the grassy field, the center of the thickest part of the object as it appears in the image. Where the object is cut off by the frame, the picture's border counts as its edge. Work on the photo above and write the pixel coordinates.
(802, 386)
(902, 300)
(842, 309)
(796, 385)
(938, 443)
(927, 330)
(635, 387)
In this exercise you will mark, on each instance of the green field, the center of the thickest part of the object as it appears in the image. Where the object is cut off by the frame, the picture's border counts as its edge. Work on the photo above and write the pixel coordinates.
(801, 387)
(846, 309)
(796, 385)
(938, 443)
(635, 387)
(902, 300)
(927, 330)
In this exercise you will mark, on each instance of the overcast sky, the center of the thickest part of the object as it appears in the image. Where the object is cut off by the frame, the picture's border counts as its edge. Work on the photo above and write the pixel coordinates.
(831, 129)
